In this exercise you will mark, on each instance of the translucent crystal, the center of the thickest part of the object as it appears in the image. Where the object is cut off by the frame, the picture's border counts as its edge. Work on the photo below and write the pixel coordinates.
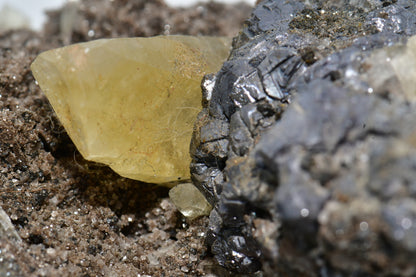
(131, 103)
(7, 229)
(189, 201)
(404, 64)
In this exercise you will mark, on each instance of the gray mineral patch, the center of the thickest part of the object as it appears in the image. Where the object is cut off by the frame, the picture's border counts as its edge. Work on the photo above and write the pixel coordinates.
(318, 178)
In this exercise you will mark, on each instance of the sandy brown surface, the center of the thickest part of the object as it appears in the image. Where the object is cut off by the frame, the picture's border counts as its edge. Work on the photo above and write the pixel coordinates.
(76, 217)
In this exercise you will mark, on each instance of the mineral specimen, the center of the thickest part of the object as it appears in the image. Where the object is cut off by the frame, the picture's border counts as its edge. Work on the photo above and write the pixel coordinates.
(131, 103)
(7, 228)
(189, 201)
(306, 142)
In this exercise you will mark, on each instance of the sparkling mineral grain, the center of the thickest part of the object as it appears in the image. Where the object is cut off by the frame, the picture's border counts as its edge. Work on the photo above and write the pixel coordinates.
(305, 145)
(131, 103)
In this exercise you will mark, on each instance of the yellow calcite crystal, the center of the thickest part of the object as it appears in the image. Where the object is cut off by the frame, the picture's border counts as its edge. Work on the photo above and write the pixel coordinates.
(189, 201)
(131, 103)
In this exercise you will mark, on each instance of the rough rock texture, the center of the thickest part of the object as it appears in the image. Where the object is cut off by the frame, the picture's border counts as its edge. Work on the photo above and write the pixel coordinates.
(306, 143)
(88, 20)
(77, 218)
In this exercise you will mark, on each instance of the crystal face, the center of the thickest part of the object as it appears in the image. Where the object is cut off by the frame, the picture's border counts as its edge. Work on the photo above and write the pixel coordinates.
(131, 103)
(189, 201)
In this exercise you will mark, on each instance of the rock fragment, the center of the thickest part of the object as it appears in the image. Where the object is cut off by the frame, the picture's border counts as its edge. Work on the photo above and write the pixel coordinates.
(10, 242)
(318, 178)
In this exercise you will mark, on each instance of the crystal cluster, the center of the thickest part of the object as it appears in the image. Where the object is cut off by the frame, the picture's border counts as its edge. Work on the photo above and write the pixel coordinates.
(131, 103)
(305, 146)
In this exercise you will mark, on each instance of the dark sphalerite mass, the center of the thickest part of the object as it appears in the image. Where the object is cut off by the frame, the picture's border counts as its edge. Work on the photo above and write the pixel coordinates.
(306, 142)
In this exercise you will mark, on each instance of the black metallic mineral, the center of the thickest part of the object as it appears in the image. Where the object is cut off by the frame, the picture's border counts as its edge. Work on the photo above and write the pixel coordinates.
(306, 144)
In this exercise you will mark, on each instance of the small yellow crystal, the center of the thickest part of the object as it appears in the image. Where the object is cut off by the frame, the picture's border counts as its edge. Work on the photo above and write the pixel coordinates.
(130, 103)
(189, 201)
